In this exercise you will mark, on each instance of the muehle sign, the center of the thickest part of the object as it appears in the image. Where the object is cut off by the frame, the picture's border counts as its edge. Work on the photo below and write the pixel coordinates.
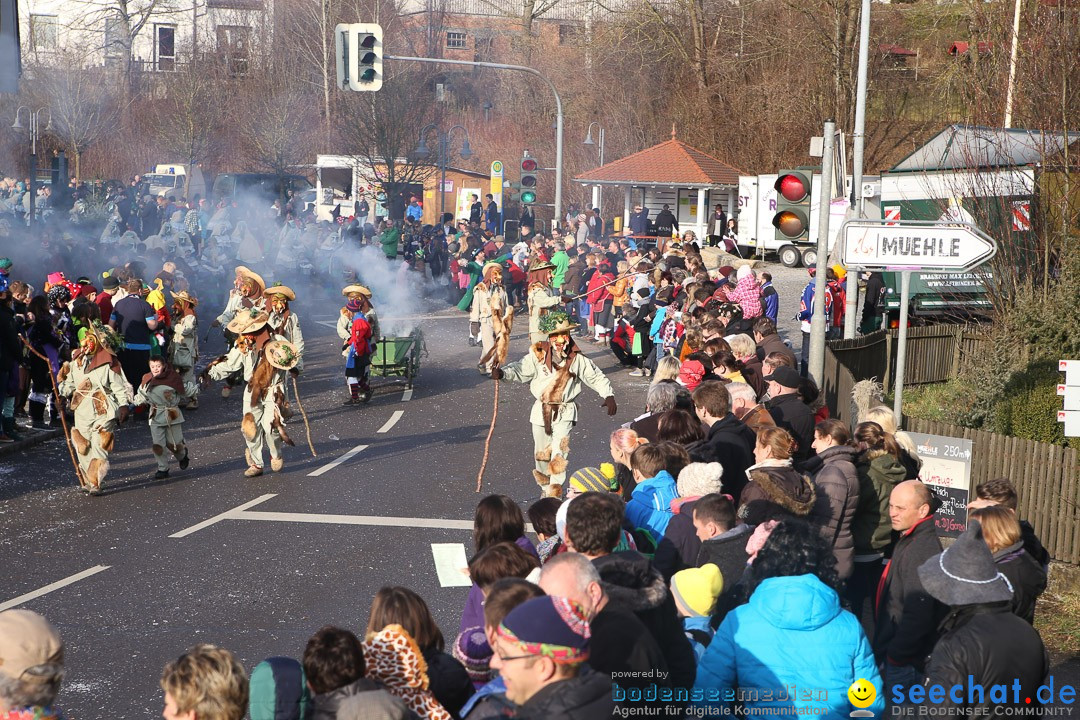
(908, 245)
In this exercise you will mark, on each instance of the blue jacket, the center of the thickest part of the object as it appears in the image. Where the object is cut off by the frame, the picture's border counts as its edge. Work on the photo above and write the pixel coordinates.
(657, 321)
(699, 625)
(770, 300)
(790, 647)
(650, 503)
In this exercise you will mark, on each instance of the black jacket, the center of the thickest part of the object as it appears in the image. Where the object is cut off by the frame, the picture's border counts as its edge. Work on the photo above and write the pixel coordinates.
(678, 549)
(648, 427)
(731, 444)
(995, 647)
(632, 583)
(449, 682)
(620, 643)
(363, 698)
(906, 616)
(776, 493)
(792, 414)
(585, 697)
(1033, 545)
(728, 552)
(1026, 577)
(10, 344)
(664, 223)
(754, 376)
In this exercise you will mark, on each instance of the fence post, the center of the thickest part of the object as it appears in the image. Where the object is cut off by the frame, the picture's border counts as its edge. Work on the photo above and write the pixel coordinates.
(886, 382)
(958, 339)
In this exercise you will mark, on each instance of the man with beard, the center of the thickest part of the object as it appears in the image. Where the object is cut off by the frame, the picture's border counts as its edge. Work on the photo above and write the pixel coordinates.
(540, 297)
(489, 299)
(555, 370)
(263, 359)
(184, 348)
(246, 294)
(99, 396)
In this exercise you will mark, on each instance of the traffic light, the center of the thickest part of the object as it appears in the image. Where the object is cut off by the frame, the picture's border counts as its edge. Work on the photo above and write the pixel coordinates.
(359, 56)
(792, 218)
(528, 179)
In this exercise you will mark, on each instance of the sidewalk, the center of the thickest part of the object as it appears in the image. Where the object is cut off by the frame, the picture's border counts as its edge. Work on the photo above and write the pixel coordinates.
(30, 438)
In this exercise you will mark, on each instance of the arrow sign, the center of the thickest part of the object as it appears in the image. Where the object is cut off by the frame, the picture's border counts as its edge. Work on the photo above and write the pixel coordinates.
(914, 245)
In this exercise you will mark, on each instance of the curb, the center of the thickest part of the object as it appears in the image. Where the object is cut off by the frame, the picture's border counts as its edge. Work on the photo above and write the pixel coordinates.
(30, 439)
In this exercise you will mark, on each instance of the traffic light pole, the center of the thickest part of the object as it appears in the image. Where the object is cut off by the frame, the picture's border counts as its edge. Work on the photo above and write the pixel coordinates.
(558, 107)
(857, 201)
(818, 320)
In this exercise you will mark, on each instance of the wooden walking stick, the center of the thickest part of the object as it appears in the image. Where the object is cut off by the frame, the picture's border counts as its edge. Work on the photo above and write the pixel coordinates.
(503, 324)
(60, 412)
(307, 427)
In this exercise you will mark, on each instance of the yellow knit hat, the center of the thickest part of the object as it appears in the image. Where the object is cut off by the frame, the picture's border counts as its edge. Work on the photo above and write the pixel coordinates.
(696, 589)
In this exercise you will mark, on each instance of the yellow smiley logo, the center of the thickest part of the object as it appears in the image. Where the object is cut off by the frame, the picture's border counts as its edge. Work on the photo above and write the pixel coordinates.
(862, 693)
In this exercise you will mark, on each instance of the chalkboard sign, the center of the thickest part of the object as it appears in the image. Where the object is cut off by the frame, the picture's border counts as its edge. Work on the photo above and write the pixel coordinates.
(946, 470)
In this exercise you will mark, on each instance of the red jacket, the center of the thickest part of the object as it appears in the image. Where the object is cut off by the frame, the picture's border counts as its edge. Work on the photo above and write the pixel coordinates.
(597, 293)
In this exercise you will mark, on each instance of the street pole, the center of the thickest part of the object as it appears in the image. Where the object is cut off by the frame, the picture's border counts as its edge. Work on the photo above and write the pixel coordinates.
(520, 68)
(858, 151)
(818, 320)
(1012, 64)
(444, 152)
(901, 346)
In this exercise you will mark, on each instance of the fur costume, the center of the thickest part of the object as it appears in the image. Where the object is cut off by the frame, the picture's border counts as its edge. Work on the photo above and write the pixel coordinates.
(163, 394)
(555, 384)
(489, 299)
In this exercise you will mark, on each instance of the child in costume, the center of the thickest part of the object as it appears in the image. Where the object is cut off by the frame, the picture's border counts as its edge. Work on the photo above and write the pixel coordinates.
(99, 394)
(162, 389)
(358, 353)
(345, 320)
(489, 299)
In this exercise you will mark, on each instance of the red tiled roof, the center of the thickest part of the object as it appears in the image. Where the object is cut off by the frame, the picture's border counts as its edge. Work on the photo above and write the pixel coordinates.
(895, 50)
(960, 47)
(669, 163)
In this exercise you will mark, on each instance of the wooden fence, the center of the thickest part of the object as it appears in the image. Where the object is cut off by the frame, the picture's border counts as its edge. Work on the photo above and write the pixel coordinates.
(1046, 476)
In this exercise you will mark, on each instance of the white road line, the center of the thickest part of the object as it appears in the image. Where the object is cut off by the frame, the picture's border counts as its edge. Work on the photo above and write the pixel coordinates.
(344, 458)
(373, 520)
(327, 323)
(450, 562)
(391, 422)
(407, 395)
(14, 602)
(223, 516)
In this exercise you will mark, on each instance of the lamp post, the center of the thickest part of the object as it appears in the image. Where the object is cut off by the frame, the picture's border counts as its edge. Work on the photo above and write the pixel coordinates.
(422, 152)
(600, 153)
(34, 122)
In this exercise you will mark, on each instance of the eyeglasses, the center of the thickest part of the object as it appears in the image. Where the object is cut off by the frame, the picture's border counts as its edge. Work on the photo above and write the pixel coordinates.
(515, 657)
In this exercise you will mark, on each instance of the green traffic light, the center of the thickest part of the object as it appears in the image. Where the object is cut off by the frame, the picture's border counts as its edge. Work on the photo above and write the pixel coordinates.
(368, 75)
(528, 198)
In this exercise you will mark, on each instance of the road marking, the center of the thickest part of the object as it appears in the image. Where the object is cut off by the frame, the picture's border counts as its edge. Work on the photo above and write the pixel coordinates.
(450, 562)
(407, 395)
(14, 602)
(344, 458)
(391, 422)
(327, 323)
(223, 516)
(373, 520)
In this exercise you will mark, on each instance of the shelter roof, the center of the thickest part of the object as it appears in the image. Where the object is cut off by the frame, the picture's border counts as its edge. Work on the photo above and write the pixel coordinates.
(971, 147)
(670, 163)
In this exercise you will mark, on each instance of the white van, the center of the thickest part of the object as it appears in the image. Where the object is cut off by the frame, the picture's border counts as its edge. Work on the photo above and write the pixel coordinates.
(167, 180)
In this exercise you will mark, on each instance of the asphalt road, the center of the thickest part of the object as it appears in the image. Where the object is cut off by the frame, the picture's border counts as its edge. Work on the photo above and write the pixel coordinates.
(130, 594)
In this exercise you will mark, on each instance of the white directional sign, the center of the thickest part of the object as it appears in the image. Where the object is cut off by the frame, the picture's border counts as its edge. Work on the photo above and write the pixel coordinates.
(918, 246)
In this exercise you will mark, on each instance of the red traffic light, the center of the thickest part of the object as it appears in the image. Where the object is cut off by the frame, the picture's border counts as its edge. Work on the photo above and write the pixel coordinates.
(791, 223)
(528, 165)
(792, 187)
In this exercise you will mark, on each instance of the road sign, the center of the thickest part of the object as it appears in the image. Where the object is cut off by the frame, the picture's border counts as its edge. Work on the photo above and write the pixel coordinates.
(917, 246)
(1070, 391)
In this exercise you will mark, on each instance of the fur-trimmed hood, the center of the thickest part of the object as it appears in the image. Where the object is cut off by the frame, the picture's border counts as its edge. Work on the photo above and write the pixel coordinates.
(782, 488)
(631, 582)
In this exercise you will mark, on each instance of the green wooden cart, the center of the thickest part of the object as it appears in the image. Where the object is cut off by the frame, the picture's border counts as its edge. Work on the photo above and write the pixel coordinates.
(399, 357)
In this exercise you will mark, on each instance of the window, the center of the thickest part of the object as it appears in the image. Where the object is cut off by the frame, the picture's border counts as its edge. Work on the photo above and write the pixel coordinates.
(455, 40)
(43, 30)
(570, 34)
(165, 47)
(115, 35)
(234, 43)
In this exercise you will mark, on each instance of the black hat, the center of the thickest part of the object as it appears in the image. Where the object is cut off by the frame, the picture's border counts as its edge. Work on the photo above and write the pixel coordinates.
(110, 282)
(785, 376)
(965, 573)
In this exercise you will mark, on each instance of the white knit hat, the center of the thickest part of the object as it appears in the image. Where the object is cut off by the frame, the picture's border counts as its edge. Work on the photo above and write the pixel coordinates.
(743, 271)
(697, 479)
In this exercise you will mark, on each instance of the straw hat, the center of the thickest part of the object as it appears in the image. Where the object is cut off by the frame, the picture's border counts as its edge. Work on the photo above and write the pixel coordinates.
(183, 296)
(248, 321)
(356, 289)
(249, 274)
(556, 323)
(282, 354)
(283, 290)
(541, 265)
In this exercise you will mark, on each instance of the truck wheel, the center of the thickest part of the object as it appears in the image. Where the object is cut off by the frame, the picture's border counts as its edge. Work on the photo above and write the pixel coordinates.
(789, 256)
(809, 257)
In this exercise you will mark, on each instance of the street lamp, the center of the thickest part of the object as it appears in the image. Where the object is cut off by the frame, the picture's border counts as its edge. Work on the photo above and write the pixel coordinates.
(600, 152)
(34, 123)
(422, 152)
